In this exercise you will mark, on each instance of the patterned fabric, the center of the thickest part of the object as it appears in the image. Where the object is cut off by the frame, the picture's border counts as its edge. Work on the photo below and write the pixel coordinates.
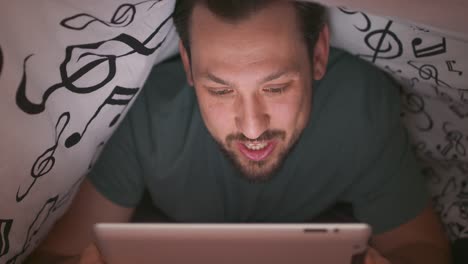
(432, 68)
(69, 70)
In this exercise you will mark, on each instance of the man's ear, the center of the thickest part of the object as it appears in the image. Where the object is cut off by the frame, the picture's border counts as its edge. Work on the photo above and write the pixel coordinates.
(321, 53)
(186, 62)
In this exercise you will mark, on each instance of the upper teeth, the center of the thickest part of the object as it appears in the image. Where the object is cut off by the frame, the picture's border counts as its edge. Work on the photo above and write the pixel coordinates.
(256, 145)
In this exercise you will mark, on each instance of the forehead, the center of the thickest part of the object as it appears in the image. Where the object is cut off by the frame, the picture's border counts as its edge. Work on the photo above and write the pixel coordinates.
(271, 35)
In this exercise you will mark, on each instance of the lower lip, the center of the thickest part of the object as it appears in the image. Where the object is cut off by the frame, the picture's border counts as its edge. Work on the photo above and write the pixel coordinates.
(257, 155)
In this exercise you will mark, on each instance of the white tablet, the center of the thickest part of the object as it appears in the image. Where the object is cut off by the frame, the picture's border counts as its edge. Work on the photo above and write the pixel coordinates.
(232, 243)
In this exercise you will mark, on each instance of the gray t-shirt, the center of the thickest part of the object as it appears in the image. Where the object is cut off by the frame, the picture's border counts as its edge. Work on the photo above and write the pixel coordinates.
(354, 149)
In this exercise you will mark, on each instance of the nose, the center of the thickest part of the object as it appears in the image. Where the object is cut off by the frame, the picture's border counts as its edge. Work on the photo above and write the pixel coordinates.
(251, 118)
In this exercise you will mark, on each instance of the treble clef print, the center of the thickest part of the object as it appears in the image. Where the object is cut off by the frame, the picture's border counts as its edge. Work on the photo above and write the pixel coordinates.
(94, 61)
(87, 68)
(45, 162)
(428, 72)
(384, 43)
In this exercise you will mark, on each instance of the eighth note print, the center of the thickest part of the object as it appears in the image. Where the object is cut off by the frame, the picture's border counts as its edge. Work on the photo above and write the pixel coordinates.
(451, 67)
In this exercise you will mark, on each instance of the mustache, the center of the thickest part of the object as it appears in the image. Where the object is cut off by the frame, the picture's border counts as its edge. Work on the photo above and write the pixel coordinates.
(267, 135)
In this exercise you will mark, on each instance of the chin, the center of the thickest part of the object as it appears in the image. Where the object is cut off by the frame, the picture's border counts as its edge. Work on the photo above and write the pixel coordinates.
(258, 171)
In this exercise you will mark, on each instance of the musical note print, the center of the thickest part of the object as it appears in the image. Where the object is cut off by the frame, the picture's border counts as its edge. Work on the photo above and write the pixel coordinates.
(441, 94)
(120, 96)
(461, 110)
(5, 227)
(450, 66)
(425, 152)
(428, 51)
(417, 28)
(452, 204)
(122, 17)
(94, 66)
(414, 104)
(97, 60)
(366, 18)
(34, 228)
(49, 207)
(393, 71)
(429, 72)
(384, 43)
(453, 138)
(45, 162)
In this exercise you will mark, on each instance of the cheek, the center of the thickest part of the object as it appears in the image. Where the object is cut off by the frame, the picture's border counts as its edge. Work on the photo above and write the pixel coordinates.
(218, 118)
(291, 114)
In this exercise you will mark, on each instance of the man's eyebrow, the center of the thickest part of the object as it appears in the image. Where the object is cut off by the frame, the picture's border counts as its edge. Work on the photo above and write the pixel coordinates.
(280, 73)
(273, 76)
(215, 79)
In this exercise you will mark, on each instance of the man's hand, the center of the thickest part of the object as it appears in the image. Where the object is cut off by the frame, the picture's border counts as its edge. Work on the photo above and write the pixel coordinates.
(91, 255)
(374, 257)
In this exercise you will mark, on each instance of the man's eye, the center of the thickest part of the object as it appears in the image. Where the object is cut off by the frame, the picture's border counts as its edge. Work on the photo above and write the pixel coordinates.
(220, 91)
(277, 90)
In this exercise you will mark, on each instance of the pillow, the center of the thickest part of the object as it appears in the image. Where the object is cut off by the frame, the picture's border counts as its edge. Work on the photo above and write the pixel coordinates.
(432, 68)
(69, 71)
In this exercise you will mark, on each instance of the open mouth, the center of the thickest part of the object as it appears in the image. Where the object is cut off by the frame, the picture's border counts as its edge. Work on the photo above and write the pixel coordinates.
(256, 150)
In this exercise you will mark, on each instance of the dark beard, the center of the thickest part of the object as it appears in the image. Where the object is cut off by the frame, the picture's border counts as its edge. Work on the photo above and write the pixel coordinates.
(249, 172)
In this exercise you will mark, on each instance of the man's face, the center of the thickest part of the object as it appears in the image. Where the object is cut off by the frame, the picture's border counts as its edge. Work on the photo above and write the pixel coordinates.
(253, 81)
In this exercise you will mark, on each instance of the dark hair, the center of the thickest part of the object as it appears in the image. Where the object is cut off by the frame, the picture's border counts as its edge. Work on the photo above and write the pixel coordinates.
(311, 16)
